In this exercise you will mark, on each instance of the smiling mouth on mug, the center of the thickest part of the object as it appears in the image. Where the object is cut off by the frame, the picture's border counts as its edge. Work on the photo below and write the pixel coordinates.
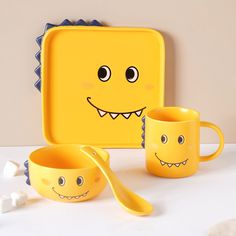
(171, 164)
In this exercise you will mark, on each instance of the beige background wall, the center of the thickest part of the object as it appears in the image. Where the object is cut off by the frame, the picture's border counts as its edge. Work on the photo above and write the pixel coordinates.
(200, 41)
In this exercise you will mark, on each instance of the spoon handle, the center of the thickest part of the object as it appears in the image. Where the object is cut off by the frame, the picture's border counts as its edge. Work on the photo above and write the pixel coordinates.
(128, 199)
(106, 170)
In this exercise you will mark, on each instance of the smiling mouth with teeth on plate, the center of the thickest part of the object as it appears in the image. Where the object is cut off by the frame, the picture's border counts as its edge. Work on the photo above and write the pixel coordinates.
(114, 115)
(70, 197)
(170, 164)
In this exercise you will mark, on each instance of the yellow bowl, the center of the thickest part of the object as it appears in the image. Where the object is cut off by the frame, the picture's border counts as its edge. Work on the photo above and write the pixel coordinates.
(63, 173)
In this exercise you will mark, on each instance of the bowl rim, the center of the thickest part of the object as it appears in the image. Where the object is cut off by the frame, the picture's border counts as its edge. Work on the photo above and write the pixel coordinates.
(32, 154)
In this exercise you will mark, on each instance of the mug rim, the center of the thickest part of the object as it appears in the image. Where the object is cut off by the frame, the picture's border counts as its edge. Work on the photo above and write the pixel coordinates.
(177, 108)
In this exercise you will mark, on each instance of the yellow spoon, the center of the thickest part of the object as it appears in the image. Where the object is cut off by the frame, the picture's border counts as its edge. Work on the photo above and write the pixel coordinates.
(127, 199)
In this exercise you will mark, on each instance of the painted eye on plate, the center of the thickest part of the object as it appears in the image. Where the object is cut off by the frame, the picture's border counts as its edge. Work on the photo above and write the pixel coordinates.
(80, 180)
(132, 74)
(61, 181)
(104, 73)
(164, 139)
(181, 139)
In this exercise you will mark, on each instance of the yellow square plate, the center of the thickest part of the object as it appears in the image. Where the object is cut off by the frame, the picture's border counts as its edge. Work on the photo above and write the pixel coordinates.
(97, 83)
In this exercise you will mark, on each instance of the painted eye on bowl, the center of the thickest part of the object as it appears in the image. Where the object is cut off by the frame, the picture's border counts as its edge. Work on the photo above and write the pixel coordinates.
(164, 139)
(104, 73)
(181, 139)
(61, 181)
(132, 74)
(80, 180)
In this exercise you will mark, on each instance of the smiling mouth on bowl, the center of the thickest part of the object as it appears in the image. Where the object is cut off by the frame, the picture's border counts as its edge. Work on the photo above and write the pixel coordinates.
(70, 197)
(114, 115)
(170, 164)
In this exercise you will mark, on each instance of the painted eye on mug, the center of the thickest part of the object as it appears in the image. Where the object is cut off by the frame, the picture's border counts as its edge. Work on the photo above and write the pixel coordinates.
(164, 139)
(181, 139)
(80, 180)
(61, 181)
(104, 73)
(132, 74)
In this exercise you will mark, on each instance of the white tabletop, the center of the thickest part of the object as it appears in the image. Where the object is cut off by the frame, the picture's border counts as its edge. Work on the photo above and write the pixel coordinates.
(184, 207)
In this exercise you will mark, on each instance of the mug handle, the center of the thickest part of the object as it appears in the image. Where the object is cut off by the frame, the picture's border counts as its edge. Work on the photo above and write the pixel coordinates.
(221, 137)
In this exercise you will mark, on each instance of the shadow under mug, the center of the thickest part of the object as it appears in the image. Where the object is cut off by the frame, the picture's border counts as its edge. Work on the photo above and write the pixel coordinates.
(172, 141)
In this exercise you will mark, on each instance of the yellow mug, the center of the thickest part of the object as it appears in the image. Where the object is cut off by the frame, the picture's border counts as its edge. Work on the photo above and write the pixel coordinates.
(172, 141)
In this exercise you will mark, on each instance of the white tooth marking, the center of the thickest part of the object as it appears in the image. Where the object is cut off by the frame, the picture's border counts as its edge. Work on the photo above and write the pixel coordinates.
(184, 162)
(77, 197)
(113, 115)
(177, 164)
(163, 163)
(169, 164)
(101, 113)
(61, 196)
(69, 198)
(126, 115)
(138, 113)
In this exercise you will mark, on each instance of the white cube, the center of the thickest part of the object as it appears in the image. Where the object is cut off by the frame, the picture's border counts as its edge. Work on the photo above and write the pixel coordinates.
(18, 198)
(11, 169)
(5, 204)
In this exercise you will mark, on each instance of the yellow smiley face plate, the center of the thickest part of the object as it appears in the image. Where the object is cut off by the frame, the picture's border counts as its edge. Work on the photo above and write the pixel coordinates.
(98, 82)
